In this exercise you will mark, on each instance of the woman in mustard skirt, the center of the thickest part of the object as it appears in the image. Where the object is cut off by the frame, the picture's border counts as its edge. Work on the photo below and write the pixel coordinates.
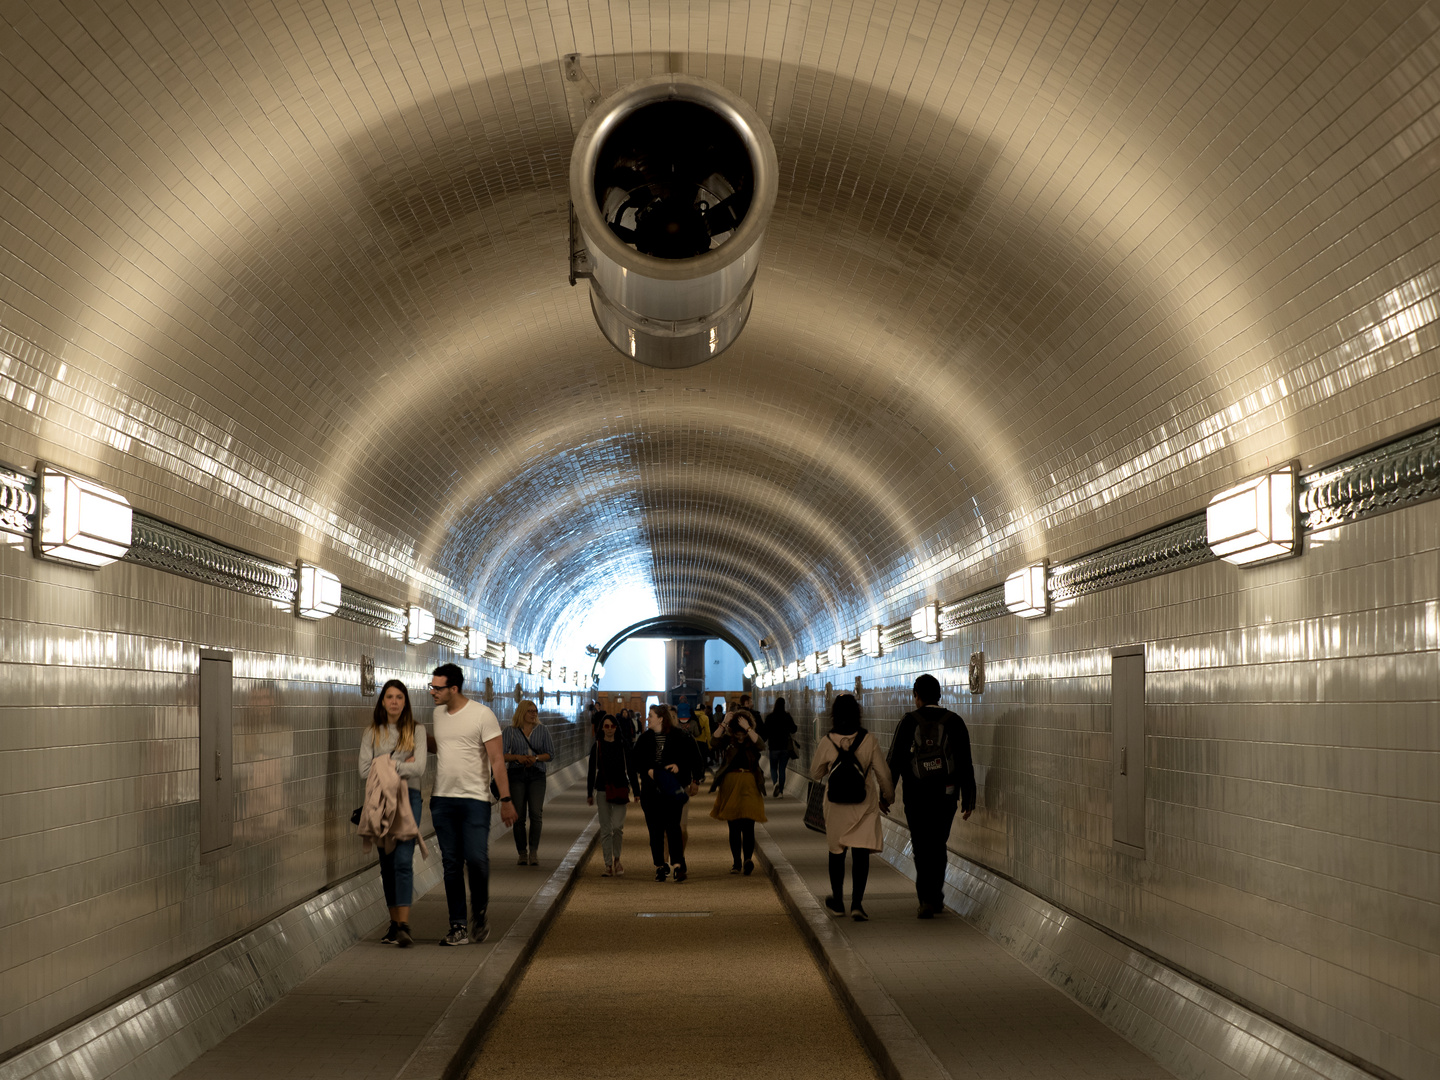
(740, 786)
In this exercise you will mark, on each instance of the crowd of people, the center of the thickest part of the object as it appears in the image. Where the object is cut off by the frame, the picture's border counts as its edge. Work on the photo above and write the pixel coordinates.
(662, 767)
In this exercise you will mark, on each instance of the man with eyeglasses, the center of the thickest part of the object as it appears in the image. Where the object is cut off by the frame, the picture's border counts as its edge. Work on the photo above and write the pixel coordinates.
(466, 739)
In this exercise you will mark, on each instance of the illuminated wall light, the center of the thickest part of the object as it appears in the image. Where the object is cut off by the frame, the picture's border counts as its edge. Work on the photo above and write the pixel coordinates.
(748, 671)
(870, 642)
(81, 523)
(815, 661)
(1255, 520)
(599, 671)
(475, 643)
(1025, 591)
(792, 671)
(510, 656)
(420, 626)
(560, 675)
(319, 594)
(925, 623)
(837, 654)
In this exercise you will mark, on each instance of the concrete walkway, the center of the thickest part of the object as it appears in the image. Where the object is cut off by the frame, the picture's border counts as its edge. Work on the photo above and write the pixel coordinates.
(366, 1012)
(981, 1011)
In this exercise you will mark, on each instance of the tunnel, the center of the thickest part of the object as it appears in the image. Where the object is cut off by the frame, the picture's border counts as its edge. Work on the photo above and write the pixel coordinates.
(1089, 362)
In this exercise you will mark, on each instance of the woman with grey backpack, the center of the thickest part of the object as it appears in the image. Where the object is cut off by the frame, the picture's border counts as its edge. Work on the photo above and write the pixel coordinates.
(858, 790)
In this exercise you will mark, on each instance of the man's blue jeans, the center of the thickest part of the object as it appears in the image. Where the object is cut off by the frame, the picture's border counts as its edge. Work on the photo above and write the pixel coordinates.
(462, 829)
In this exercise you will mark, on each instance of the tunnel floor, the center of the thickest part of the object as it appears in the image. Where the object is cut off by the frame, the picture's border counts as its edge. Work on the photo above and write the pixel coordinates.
(707, 979)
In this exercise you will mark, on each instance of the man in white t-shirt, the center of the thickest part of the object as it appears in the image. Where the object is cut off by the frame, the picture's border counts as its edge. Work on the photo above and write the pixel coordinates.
(465, 736)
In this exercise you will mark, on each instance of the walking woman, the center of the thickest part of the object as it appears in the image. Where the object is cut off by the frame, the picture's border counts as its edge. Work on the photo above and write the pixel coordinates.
(779, 731)
(527, 747)
(393, 731)
(740, 786)
(612, 770)
(859, 790)
(669, 767)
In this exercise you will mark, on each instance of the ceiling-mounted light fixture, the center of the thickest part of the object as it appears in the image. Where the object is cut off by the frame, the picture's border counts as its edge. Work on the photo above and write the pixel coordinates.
(837, 654)
(81, 522)
(1254, 521)
(318, 596)
(672, 181)
(475, 643)
(419, 625)
(1025, 591)
(925, 623)
(870, 641)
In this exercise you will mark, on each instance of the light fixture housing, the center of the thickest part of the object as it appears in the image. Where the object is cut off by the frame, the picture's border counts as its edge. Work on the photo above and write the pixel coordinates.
(1254, 521)
(318, 596)
(509, 656)
(870, 642)
(475, 643)
(925, 623)
(1026, 591)
(81, 522)
(837, 654)
(419, 625)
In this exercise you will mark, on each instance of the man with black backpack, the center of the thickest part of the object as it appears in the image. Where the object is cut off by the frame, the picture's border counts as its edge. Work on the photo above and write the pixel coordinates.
(930, 755)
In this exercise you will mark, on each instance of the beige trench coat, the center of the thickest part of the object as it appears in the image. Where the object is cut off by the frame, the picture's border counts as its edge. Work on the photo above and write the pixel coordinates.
(855, 825)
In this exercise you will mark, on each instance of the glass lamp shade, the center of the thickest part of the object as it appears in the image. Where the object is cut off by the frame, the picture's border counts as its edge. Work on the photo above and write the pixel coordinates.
(81, 523)
(1026, 594)
(870, 641)
(319, 594)
(792, 671)
(1255, 520)
(420, 627)
(475, 643)
(536, 664)
(837, 654)
(925, 623)
(510, 656)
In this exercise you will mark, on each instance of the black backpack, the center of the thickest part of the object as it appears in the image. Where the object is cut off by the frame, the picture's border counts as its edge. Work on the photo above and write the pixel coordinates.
(847, 776)
(931, 760)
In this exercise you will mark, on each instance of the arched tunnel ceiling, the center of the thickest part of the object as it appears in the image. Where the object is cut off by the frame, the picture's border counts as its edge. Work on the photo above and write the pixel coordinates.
(1040, 276)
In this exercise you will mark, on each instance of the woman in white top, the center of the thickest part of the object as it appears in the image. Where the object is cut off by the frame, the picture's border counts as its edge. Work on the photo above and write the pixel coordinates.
(393, 731)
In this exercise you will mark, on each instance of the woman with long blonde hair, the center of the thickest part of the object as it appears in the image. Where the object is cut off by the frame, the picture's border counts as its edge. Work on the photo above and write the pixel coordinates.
(528, 746)
(393, 731)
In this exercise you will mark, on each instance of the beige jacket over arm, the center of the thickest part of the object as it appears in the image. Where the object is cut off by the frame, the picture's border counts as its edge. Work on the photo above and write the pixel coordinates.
(854, 825)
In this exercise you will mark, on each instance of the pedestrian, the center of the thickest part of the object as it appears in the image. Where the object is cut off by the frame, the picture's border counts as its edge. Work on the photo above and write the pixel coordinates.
(669, 768)
(468, 755)
(779, 731)
(859, 790)
(717, 725)
(740, 788)
(528, 746)
(612, 773)
(702, 742)
(393, 733)
(930, 759)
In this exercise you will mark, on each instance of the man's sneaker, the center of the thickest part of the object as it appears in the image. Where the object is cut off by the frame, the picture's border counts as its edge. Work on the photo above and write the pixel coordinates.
(479, 930)
(858, 913)
(534, 859)
(457, 936)
(925, 911)
(680, 874)
(661, 873)
(390, 938)
(522, 860)
(402, 936)
(749, 868)
(836, 906)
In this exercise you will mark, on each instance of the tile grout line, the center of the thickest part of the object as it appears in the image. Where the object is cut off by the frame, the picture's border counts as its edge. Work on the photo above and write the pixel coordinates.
(898, 1049)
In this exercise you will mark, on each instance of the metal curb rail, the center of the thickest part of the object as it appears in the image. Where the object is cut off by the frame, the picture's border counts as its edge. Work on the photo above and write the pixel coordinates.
(892, 1040)
(452, 1045)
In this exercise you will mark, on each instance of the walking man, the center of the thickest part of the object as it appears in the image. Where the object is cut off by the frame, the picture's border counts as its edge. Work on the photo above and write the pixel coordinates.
(930, 758)
(466, 738)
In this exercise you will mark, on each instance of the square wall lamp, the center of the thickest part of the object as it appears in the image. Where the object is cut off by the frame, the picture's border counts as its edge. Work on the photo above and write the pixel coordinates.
(475, 643)
(792, 671)
(925, 623)
(836, 654)
(815, 661)
(1026, 593)
(1254, 521)
(748, 671)
(870, 642)
(81, 523)
(420, 625)
(509, 656)
(319, 594)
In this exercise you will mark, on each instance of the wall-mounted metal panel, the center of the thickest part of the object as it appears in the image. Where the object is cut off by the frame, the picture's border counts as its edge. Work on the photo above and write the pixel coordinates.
(217, 766)
(1127, 729)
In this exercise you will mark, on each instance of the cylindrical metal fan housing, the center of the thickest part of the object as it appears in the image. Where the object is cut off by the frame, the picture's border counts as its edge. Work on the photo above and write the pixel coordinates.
(673, 180)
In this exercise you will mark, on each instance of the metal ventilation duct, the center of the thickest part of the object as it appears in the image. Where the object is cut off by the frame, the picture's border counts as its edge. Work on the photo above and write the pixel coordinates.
(672, 180)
